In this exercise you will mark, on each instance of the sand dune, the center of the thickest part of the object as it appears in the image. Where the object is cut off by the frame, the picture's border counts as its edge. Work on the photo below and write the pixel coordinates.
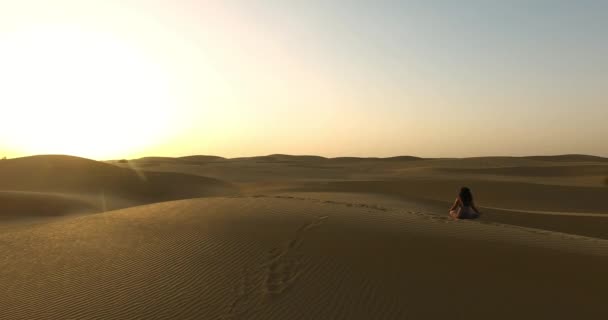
(510, 195)
(284, 167)
(563, 170)
(295, 258)
(15, 205)
(585, 224)
(62, 180)
(570, 158)
(185, 160)
(201, 159)
(516, 190)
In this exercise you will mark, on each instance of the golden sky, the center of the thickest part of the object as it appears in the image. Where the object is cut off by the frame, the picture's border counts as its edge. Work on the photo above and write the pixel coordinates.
(123, 79)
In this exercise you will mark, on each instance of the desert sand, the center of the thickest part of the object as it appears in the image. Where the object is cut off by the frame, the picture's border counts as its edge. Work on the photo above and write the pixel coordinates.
(91, 184)
(302, 237)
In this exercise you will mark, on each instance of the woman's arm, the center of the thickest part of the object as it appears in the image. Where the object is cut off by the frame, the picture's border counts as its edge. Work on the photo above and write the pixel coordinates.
(455, 205)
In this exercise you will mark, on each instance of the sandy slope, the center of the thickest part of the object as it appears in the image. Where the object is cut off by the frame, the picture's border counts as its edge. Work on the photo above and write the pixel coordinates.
(72, 174)
(295, 258)
(56, 185)
(508, 195)
(16, 205)
(590, 225)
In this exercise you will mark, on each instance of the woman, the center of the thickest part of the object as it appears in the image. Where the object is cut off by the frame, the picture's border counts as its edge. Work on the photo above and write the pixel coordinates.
(464, 207)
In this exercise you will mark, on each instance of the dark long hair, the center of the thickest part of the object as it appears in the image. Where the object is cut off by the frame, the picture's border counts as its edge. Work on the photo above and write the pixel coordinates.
(466, 196)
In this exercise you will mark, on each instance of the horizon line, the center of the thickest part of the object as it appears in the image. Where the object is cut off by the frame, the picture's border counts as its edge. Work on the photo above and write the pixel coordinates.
(324, 157)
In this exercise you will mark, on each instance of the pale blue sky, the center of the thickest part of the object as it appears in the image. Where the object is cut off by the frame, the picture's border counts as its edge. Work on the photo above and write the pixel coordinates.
(364, 78)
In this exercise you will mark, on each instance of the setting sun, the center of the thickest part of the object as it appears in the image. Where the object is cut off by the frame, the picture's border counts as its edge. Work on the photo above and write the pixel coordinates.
(82, 93)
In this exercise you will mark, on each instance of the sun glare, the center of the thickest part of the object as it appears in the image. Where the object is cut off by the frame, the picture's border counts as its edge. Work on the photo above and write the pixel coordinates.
(81, 93)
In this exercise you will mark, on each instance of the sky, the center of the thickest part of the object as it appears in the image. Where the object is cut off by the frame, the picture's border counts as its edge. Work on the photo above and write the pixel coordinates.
(124, 79)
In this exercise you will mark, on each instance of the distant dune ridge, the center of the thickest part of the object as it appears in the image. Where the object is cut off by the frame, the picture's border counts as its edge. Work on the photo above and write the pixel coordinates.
(302, 237)
(268, 158)
(537, 171)
(570, 158)
(287, 157)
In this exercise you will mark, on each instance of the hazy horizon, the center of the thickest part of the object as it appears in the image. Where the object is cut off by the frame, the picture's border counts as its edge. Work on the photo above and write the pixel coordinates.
(302, 155)
(126, 79)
